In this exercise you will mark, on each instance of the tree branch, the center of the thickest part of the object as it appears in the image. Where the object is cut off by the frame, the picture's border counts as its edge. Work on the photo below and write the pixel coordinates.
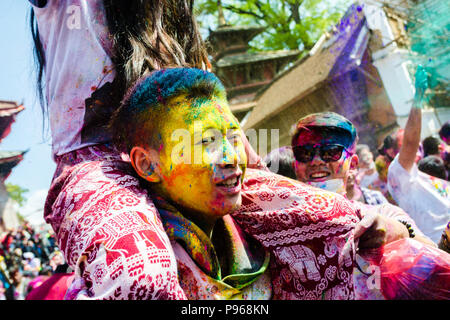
(295, 14)
(242, 11)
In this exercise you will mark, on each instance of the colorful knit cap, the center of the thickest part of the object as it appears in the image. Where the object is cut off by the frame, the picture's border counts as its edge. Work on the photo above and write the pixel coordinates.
(328, 120)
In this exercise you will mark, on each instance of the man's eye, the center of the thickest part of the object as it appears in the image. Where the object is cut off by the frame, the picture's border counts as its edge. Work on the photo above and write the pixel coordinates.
(207, 140)
(235, 138)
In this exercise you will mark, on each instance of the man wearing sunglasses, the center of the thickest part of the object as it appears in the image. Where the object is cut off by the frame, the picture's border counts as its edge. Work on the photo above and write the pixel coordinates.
(324, 150)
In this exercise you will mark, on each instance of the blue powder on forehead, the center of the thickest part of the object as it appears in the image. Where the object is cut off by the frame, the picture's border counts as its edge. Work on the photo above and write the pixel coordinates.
(159, 86)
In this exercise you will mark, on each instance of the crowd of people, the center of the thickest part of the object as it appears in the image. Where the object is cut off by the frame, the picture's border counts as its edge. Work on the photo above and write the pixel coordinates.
(138, 215)
(28, 256)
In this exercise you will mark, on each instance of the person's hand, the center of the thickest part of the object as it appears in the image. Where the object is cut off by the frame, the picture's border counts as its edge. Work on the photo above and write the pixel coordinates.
(421, 82)
(376, 230)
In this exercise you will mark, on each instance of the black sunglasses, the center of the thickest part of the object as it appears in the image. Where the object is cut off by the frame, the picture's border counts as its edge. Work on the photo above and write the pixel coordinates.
(328, 153)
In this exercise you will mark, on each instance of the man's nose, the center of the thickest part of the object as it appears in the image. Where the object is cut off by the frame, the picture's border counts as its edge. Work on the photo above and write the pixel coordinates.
(316, 158)
(229, 157)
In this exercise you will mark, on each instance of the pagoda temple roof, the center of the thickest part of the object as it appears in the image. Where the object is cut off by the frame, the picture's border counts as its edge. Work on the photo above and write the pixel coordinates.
(8, 111)
(9, 108)
(252, 57)
(240, 29)
(239, 36)
(8, 160)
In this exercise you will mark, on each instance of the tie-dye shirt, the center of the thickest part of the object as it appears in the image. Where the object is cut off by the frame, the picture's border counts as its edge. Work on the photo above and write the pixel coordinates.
(79, 74)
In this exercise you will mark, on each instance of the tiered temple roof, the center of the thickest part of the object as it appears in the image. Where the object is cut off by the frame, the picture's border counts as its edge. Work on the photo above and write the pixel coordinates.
(8, 159)
(242, 72)
(8, 111)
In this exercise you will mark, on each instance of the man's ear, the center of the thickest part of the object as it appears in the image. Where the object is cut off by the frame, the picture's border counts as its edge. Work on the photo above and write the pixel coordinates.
(144, 164)
(354, 162)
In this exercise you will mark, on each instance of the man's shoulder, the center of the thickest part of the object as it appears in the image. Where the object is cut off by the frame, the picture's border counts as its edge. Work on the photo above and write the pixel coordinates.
(270, 192)
(259, 180)
(396, 170)
(258, 177)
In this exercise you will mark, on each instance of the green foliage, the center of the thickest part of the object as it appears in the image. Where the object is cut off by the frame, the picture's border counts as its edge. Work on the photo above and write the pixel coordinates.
(16, 193)
(290, 24)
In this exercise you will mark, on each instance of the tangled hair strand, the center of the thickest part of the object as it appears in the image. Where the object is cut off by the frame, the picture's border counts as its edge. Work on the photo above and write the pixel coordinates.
(146, 35)
(149, 35)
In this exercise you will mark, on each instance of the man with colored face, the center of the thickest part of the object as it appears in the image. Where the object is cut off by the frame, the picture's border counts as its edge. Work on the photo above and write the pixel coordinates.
(214, 177)
(324, 149)
(326, 156)
(186, 144)
(324, 146)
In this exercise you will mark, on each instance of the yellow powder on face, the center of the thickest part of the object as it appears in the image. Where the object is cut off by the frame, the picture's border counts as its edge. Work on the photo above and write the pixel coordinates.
(190, 181)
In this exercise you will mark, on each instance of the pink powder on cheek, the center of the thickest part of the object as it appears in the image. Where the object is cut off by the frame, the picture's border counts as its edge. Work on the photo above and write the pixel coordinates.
(218, 202)
(219, 107)
(344, 164)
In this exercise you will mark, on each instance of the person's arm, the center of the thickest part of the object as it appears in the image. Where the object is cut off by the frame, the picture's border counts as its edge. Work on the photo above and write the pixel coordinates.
(413, 128)
(397, 213)
(375, 230)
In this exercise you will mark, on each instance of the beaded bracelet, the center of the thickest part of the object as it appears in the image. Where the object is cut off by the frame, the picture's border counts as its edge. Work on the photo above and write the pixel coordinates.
(410, 229)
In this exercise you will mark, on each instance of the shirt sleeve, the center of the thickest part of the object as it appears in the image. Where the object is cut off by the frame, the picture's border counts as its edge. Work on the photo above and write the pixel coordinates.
(133, 270)
(111, 236)
(399, 179)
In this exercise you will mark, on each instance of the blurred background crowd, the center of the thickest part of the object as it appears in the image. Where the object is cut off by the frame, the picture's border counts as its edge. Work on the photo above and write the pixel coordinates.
(27, 258)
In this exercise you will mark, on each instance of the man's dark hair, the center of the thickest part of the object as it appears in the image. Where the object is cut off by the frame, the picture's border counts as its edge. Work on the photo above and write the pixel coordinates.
(444, 132)
(431, 146)
(391, 141)
(434, 166)
(284, 157)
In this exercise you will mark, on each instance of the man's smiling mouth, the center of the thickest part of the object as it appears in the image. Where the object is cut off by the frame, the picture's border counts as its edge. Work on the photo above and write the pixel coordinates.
(231, 184)
(319, 175)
